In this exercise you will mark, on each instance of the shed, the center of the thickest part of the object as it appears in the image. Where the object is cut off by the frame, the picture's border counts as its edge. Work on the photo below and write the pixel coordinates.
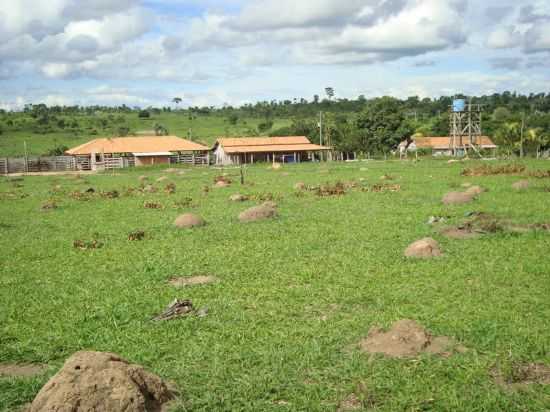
(287, 149)
(441, 145)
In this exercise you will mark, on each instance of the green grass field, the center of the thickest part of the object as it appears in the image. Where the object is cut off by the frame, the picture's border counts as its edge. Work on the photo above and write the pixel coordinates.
(296, 294)
(203, 128)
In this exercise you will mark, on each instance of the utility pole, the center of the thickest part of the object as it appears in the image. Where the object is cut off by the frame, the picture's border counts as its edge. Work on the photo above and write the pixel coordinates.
(521, 135)
(320, 128)
(26, 157)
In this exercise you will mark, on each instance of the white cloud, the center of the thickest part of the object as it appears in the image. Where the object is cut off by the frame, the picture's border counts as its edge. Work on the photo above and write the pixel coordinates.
(504, 37)
(56, 70)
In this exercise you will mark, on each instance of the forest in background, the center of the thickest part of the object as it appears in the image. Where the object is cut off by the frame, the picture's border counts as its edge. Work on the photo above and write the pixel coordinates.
(514, 121)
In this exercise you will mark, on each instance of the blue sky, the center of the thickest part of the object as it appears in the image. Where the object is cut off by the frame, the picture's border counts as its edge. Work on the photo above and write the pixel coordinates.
(237, 51)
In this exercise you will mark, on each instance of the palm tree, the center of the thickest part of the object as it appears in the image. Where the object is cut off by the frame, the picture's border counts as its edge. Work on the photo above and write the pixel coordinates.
(538, 138)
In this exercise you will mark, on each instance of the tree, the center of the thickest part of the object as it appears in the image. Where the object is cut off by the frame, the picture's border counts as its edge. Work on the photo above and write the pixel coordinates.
(265, 126)
(233, 118)
(144, 114)
(177, 100)
(509, 134)
(330, 92)
(160, 130)
(123, 131)
(58, 150)
(537, 138)
(382, 125)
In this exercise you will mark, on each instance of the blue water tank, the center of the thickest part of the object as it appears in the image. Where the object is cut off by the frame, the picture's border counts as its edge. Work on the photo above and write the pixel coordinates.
(459, 105)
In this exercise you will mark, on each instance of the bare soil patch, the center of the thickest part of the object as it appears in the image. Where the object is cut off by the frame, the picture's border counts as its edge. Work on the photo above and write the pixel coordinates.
(330, 189)
(21, 370)
(87, 244)
(423, 248)
(48, 205)
(237, 197)
(521, 185)
(149, 189)
(540, 174)
(162, 179)
(381, 188)
(136, 235)
(489, 170)
(476, 225)
(112, 194)
(152, 205)
(521, 375)
(176, 309)
(459, 233)
(406, 338)
(170, 188)
(350, 403)
(183, 203)
(180, 282)
(98, 381)
(475, 190)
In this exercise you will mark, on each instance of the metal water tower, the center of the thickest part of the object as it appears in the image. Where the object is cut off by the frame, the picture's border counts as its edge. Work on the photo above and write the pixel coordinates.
(465, 127)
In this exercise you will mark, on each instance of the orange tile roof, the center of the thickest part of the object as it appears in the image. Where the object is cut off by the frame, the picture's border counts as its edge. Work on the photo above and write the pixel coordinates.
(137, 145)
(268, 144)
(445, 142)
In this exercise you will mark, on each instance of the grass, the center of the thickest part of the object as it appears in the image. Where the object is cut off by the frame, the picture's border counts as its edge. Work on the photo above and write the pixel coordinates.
(296, 293)
(204, 128)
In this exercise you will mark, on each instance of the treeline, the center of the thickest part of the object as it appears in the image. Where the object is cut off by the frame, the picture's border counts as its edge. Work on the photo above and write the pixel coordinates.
(515, 122)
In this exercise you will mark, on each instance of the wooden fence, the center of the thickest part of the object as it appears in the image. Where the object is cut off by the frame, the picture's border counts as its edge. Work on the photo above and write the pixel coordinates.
(191, 158)
(37, 164)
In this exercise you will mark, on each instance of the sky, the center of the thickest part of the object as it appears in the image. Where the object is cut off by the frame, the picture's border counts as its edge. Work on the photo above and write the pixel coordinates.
(218, 52)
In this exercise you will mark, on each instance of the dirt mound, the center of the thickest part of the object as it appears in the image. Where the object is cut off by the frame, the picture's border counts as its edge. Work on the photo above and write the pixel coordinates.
(98, 381)
(237, 197)
(221, 183)
(423, 248)
(143, 178)
(136, 235)
(407, 338)
(350, 403)
(149, 189)
(171, 170)
(270, 203)
(329, 189)
(475, 190)
(521, 375)
(48, 205)
(459, 233)
(180, 282)
(457, 198)
(257, 213)
(162, 179)
(540, 174)
(521, 185)
(189, 220)
(300, 186)
(24, 370)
